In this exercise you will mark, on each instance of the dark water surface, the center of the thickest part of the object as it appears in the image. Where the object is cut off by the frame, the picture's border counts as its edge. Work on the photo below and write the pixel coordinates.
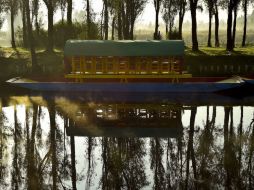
(56, 142)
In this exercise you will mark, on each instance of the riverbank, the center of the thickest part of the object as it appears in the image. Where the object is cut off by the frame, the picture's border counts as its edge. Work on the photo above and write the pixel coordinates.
(206, 62)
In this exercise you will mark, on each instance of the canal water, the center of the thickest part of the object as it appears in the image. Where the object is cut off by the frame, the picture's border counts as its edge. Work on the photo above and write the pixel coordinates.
(61, 142)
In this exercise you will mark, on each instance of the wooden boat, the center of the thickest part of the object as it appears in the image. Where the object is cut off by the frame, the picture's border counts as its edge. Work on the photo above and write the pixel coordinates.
(129, 66)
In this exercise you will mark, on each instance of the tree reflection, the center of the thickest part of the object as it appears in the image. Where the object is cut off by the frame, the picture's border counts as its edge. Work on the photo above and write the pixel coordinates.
(3, 150)
(190, 150)
(123, 166)
(90, 142)
(17, 156)
(32, 172)
(206, 141)
(212, 155)
(250, 168)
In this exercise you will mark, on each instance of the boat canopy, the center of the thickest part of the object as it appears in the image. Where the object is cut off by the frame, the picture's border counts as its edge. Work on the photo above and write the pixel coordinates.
(124, 48)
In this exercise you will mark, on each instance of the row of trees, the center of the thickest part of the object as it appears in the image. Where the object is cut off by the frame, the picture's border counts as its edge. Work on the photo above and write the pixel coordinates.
(122, 15)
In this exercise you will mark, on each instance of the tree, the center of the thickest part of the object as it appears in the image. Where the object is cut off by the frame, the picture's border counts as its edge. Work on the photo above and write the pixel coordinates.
(132, 10)
(24, 23)
(157, 4)
(193, 9)
(69, 12)
(88, 18)
(210, 6)
(169, 12)
(181, 7)
(1, 10)
(12, 6)
(126, 12)
(216, 22)
(35, 13)
(231, 4)
(31, 40)
(63, 4)
(245, 4)
(51, 7)
(235, 18)
(106, 18)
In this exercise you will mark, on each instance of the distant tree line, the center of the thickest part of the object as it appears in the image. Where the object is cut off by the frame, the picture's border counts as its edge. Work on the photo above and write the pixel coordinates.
(119, 17)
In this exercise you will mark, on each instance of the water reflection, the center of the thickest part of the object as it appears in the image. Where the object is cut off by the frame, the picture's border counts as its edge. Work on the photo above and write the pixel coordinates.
(57, 143)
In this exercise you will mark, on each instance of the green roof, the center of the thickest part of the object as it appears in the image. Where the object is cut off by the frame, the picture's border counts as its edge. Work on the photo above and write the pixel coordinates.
(124, 48)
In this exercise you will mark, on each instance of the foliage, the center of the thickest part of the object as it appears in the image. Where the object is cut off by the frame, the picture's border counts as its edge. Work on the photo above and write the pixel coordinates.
(173, 35)
(169, 11)
(78, 31)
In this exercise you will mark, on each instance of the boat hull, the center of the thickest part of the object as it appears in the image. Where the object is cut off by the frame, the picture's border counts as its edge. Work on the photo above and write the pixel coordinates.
(129, 87)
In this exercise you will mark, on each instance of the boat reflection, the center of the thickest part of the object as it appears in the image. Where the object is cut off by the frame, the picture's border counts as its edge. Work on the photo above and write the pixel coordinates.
(126, 120)
(61, 143)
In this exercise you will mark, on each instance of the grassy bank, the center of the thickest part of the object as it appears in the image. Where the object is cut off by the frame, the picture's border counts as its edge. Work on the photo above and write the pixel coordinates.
(16, 62)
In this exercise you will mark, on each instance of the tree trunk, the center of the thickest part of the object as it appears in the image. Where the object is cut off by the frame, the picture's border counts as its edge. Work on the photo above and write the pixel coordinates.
(24, 23)
(36, 10)
(69, 13)
(193, 7)
(119, 23)
(101, 22)
(229, 28)
(209, 44)
(181, 17)
(167, 31)
(31, 40)
(88, 19)
(132, 30)
(157, 10)
(180, 32)
(13, 44)
(245, 23)
(50, 28)
(73, 164)
(106, 20)
(217, 22)
(113, 28)
(234, 26)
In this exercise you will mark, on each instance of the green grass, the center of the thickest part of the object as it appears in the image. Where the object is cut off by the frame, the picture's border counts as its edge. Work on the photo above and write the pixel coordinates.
(211, 51)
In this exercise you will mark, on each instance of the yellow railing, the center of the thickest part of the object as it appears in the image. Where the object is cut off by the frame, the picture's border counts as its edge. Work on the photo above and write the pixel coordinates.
(125, 68)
